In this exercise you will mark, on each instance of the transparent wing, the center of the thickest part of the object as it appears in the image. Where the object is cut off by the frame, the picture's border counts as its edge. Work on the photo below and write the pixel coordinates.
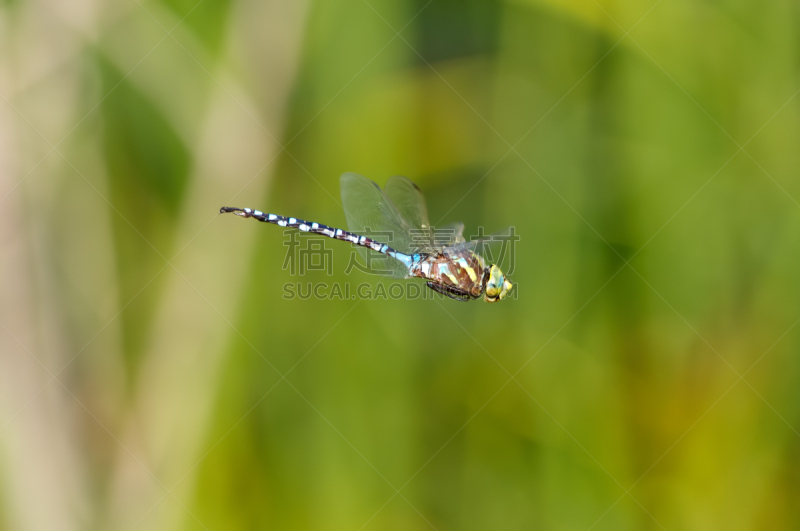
(495, 248)
(368, 209)
(410, 204)
(371, 213)
(448, 235)
(491, 240)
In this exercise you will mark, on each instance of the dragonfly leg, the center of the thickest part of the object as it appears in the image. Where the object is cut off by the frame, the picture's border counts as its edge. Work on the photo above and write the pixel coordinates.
(449, 291)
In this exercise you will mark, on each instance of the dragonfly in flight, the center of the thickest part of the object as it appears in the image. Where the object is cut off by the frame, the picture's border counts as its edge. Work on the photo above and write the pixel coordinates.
(398, 212)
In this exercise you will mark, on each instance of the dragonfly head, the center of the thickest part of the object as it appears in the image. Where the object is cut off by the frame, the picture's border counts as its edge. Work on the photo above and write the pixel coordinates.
(496, 287)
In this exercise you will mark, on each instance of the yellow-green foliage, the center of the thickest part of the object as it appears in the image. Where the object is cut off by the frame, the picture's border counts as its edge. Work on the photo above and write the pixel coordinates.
(643, 376)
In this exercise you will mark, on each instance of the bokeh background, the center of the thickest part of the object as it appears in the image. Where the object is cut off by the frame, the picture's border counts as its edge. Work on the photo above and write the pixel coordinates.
(152, 377)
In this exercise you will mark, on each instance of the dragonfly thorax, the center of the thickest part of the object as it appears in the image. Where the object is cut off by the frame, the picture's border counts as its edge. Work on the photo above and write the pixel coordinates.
(460, 270)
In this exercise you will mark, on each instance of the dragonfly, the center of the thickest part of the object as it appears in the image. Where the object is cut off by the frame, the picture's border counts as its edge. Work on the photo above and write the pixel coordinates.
(398, 212)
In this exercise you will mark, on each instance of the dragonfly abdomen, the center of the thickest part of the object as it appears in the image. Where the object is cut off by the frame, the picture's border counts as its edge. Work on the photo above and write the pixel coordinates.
(319, 228)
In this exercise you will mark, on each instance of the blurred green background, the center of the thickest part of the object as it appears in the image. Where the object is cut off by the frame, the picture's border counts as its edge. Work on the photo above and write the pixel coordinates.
(152, 376)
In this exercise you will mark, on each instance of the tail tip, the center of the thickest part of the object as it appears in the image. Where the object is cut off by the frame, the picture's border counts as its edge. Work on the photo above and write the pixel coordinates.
(243, 212)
